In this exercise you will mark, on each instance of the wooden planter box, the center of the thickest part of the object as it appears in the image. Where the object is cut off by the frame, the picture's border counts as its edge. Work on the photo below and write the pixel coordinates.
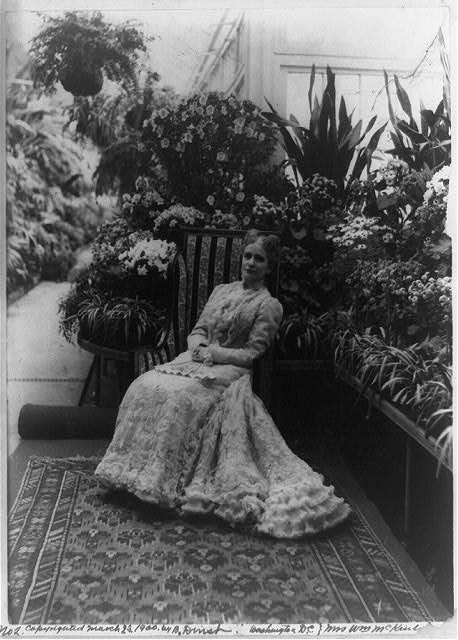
(398, 467)
(393, 413)
(391, 459)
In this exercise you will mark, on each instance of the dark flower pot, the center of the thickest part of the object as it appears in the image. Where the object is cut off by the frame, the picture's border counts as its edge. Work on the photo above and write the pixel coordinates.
(147, 287)
(80, 80)
(114, 336)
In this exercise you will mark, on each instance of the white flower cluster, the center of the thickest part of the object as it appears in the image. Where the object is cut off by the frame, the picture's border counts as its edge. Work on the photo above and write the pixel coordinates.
(148, 254)
(432, 289)
(177, 214)
(438, 185)
(356, 231)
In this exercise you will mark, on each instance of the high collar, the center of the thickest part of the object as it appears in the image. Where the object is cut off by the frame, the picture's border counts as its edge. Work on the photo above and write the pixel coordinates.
(249, 288)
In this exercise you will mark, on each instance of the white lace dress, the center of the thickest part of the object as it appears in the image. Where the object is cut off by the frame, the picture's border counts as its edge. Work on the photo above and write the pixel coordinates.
(196, 439)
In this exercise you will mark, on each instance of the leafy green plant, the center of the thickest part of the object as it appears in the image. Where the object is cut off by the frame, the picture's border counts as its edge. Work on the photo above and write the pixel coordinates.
(113, 122)
(331, 145)
(97, 313)
(50, 210)
(427, 144)
(409, 377)
(77, 48)
(301, 334)
(215, 150)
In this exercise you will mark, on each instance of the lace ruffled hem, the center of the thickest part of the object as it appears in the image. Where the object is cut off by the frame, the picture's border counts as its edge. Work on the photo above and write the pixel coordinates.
(279, 518)
(112, 477)
(284, 514)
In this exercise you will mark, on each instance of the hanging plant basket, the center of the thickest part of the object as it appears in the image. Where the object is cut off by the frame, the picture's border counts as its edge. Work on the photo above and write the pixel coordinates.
(75, 48)
(81, 79)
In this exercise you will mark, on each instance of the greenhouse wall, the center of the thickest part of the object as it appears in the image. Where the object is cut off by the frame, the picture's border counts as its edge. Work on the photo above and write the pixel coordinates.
(269, 54)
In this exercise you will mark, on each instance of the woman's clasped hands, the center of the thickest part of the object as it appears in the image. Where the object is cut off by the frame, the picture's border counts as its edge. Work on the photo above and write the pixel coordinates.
(202, 353)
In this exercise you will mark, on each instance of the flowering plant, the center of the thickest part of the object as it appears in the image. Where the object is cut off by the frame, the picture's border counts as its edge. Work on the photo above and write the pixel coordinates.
(431, 297)
(307, 272)
(390, 176)
(430, 217)
(176, 215)
(312, 207)
(265, 214)
(409, 302)
(146, 196)
(359, 233)
(437, 187)
(109, 243)
(220, 220)
(406, 208)
(213, 149)
(141, 208)
(146, 254)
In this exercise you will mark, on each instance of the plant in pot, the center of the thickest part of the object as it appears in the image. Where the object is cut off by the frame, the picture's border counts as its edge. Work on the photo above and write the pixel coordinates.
(307, 277)
(218, 154)
(113, 122)
(120, 300)
(78, 49)
(392, 255)
(330, 145)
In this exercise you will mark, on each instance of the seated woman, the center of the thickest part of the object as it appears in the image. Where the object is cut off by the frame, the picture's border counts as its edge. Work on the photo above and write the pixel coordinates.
(191, 436)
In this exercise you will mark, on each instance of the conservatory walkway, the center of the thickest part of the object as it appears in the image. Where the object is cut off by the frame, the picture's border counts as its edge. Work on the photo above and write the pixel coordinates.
(286, 582)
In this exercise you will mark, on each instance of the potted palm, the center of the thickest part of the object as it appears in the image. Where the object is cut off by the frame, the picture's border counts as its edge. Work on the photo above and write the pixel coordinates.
(79, 49)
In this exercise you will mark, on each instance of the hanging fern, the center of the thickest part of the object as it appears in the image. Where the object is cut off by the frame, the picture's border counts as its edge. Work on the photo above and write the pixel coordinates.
(86, 41)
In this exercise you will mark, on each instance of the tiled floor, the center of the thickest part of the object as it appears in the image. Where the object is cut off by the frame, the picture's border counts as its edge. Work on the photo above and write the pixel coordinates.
(42, 367)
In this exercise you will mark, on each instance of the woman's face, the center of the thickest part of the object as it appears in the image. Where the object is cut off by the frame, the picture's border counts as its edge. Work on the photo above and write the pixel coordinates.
(255, 265)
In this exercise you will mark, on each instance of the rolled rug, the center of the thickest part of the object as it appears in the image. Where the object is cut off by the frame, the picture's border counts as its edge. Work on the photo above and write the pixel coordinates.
(53, 422)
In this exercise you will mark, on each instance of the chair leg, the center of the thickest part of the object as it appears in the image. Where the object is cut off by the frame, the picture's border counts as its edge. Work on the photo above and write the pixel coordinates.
(125, 375)
(88, 381)
(98, 379)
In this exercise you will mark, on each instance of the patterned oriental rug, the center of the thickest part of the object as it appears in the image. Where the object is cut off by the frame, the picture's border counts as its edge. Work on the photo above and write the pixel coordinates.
(80, 554)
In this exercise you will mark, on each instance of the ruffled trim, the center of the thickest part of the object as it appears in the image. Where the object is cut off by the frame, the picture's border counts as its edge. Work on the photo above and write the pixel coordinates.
(294, 516)
(198, 371)
(290, 513)
(284, 514)
(114, 476)
(235, 507)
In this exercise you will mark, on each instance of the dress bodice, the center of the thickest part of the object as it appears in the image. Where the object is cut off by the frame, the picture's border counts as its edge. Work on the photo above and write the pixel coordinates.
(242, 319)
(239, 317)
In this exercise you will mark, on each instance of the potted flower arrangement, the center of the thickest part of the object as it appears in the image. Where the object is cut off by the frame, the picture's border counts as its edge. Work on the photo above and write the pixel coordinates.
(394, 261)
(78, 49)
(308, 288)
(217, 152)
(121, 299)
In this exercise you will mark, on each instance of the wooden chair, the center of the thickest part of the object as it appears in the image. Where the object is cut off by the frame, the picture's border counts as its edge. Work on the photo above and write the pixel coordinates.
(208, 257)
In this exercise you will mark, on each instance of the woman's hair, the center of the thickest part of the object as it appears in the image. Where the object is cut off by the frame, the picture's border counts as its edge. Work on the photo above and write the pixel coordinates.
(270, 244)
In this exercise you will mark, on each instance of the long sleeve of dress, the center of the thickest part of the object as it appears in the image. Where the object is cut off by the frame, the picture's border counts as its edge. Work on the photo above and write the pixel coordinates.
(201, 326)
(261, 336)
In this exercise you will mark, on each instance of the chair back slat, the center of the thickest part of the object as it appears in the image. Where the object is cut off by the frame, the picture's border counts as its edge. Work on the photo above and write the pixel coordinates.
(177, 335)
(212, 258)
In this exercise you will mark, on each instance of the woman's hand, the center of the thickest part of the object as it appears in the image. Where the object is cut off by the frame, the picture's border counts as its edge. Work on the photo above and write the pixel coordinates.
(201, 354)
(196, 341)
